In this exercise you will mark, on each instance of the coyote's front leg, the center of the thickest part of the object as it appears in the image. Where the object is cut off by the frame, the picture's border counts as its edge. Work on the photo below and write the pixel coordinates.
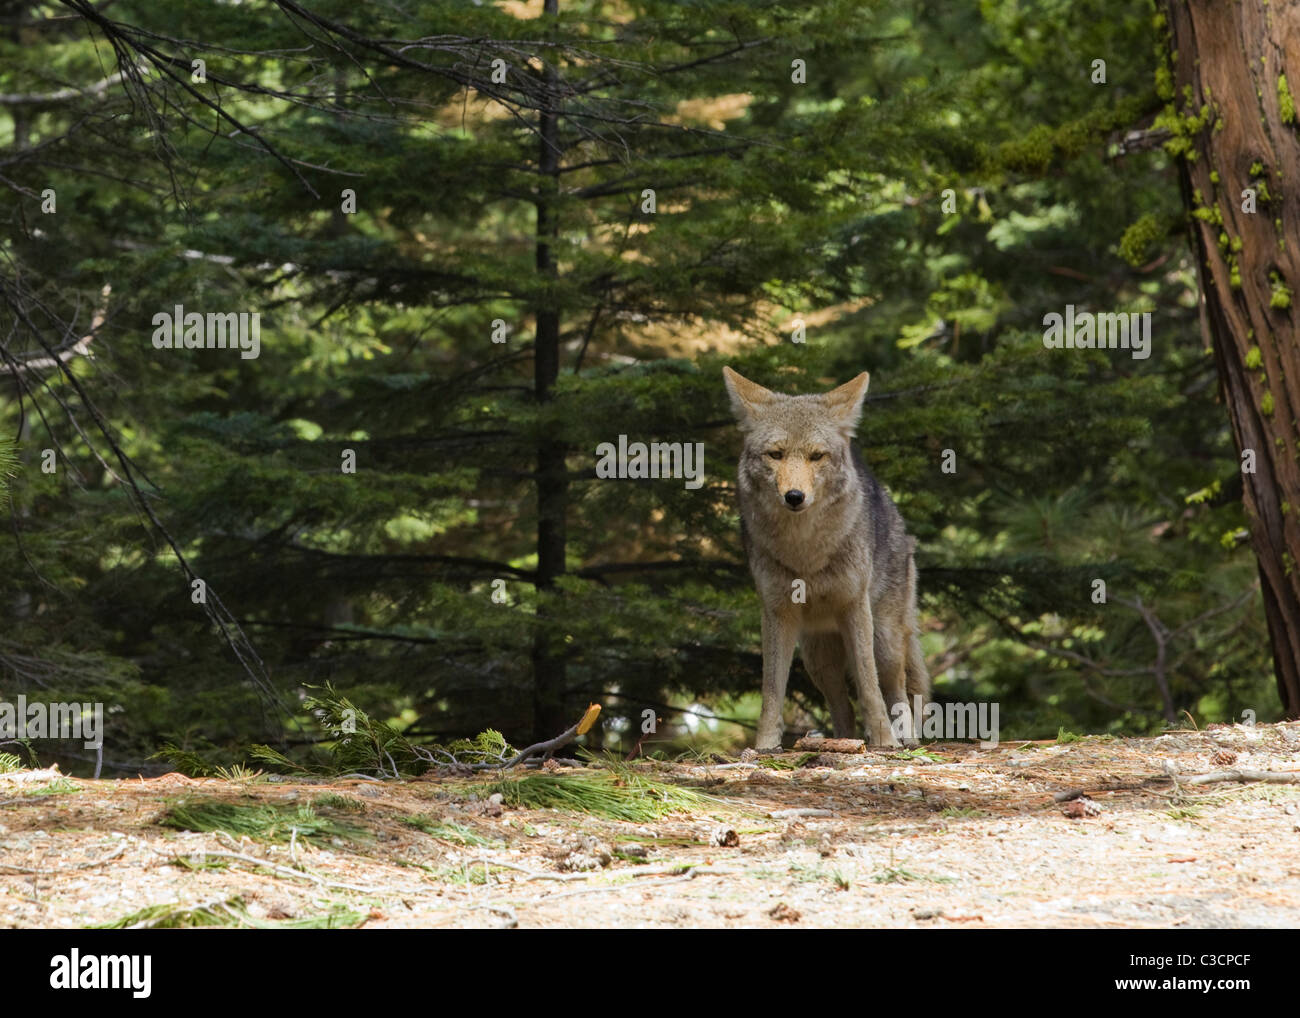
(780, 632)
(859, 638)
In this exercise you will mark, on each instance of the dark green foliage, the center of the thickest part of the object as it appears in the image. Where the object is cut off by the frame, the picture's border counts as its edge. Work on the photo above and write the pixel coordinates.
(775, 200)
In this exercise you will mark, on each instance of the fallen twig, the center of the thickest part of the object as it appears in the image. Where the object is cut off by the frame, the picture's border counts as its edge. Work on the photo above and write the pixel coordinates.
(529, 873)
(789, 814)
(65, 869)
(678, 875)
(684, 868)
(547, 749)
(1241, 774)
(276, 868)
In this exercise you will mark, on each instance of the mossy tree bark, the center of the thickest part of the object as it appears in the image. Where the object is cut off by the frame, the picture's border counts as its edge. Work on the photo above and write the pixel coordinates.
(1233, 108)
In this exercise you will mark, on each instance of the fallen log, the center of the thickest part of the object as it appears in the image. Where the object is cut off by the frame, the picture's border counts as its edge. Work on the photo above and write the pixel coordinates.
(816, 744)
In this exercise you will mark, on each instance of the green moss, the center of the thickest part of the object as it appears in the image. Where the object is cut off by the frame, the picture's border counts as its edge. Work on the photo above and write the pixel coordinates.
(1184, 126)
(1164, 83)
(1281, 295)
(1139, 239)
(1031, 154)
(1254, 358)
(1209, 214)
(1286, 105)
(1040, 147)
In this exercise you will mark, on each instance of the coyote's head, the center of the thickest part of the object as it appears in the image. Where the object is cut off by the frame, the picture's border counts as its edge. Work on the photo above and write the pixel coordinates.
(796, 447)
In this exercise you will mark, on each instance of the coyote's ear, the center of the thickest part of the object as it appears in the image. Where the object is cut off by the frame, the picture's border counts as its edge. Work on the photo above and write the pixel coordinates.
(746, 396)
(845, 403)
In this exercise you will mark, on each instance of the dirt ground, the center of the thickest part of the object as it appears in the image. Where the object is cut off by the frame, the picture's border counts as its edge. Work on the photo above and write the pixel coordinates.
(952, 836)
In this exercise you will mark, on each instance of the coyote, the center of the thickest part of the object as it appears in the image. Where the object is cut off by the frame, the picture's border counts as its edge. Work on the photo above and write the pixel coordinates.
(811, 511)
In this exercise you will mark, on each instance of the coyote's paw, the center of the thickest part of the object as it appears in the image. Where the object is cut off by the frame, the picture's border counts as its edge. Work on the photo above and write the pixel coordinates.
(882, 738)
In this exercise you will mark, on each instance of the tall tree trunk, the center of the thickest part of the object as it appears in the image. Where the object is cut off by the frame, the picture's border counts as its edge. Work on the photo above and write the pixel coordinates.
(1234, 56)
(552, 483)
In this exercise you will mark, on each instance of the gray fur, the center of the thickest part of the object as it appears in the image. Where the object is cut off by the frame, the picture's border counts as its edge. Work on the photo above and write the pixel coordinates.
(847, 543)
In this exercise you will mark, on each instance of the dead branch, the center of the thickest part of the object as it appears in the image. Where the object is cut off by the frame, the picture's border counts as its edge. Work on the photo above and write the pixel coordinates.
(547, 749)
(678, 875)
(81, 348)
(790, 814)
(65, 869)
(63, 95)
(529, 874)
(1241, 774)
(276, 869)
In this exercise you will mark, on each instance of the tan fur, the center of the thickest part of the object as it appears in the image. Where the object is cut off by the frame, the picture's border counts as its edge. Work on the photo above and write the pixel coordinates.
(846, 542)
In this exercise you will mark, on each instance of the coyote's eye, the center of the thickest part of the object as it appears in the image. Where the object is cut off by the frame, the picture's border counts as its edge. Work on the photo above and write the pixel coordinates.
(776, 454)
(815, 456)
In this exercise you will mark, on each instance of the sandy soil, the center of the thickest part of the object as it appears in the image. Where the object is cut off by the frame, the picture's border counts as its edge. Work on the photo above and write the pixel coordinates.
(955, 836)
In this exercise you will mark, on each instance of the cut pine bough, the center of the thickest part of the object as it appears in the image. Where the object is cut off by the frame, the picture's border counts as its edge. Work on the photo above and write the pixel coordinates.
(617, 793)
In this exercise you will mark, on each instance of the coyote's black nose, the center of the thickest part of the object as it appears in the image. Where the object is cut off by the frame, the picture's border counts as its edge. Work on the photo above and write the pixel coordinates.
(794, 498)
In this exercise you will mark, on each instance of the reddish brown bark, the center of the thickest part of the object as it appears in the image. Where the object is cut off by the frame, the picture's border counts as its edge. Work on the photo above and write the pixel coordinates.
(1234, 56)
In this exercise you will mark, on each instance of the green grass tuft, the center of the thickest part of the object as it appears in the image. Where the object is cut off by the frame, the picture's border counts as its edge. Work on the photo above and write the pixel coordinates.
(184, 761)
(261, 822)
(59, 786)
(446, 831)
(783, 763)
(230, 914)
(343, 803)
(918, 754)
(902, 875)
(616, 794)
(961, 813)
